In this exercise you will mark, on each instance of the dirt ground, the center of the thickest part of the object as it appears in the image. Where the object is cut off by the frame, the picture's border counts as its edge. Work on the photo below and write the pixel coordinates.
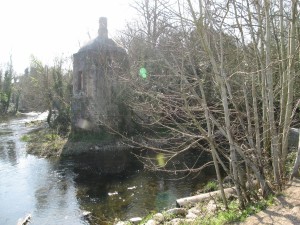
(286, 211)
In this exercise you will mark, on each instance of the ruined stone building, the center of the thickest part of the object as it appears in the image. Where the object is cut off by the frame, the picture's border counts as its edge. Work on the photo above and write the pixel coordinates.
(97, 68)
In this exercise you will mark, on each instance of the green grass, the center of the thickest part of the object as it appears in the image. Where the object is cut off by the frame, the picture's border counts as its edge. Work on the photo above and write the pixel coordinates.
(44, 142)
(234, 214)
(148, 217)
(51, 137)
(25, 138)
(210, 186)
(291, 157)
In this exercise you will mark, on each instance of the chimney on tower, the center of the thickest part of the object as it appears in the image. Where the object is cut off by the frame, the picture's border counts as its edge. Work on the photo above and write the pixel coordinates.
(102, 32)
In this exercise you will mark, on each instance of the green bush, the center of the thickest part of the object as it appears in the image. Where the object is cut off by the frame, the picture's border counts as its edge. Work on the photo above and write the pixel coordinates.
(210, 186)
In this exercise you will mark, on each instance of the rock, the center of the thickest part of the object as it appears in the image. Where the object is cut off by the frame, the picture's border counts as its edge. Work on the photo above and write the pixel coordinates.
(211, 207)
(159, 217)
(135, 220)
(296, 210)
(86, 215)
(189, 221)
(177, 211)
(232, 197)
(25, 220)
(191, 215)
(178, 221)
(228, 181)
(151, 222)
(195, 211)
(121, 223)
(293, 138)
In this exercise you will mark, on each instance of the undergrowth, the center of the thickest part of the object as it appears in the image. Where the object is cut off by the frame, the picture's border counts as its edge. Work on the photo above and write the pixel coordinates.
(222, 216)
(234, 213)
(210, 186)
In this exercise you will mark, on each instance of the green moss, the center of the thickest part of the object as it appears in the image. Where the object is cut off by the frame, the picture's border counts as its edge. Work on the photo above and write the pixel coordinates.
(210, 186)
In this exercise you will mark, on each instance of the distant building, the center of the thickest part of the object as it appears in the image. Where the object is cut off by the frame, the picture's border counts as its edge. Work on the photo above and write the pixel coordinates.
(97, 68)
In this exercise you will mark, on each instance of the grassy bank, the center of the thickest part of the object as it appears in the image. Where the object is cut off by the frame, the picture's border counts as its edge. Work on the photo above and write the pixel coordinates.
(45, 142)
(48, 142)
(207, 213)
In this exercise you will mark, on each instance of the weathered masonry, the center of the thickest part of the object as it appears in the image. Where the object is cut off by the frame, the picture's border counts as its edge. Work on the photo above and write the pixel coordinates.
(97, 68)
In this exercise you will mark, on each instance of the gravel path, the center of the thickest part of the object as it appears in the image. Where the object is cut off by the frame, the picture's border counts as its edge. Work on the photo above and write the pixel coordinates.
(286, 211)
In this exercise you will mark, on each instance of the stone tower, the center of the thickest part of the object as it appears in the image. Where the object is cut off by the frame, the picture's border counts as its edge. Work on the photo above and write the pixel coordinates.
(97, 67)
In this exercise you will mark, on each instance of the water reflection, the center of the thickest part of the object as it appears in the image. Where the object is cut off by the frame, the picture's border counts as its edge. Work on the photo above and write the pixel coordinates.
(57, 191)
(12, 156)
(55, 198)
(131, 194)
(8, 152)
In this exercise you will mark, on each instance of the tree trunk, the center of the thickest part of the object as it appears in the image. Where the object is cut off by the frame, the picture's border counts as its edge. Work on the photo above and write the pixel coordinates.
(188, 201)
(270, 100)
(290, 79)
(295, 171)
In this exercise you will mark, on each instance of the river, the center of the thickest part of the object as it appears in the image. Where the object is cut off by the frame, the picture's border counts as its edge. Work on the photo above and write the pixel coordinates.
(57, 191)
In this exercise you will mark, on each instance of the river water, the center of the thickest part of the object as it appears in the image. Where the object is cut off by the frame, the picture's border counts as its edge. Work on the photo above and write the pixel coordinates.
(57, 191)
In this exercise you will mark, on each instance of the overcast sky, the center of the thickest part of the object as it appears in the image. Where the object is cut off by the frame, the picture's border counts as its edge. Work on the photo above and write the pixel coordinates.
(51, 28)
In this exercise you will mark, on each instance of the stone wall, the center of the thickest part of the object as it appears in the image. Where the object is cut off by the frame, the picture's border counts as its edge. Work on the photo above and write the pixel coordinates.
(97, 68)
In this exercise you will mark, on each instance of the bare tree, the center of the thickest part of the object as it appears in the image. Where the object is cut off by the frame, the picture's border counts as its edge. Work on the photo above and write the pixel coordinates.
(217, 88)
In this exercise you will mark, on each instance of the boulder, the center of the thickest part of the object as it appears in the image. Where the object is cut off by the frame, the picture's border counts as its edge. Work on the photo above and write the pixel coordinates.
(191, 215)
(151, 222)
(211, 207)
(293, 139)
(86, 215)
(178, 221)
(296, 210)
(121, 223)
(195, 210)
(135, 220)
(177, 211)
(159, 217)
(25, 220)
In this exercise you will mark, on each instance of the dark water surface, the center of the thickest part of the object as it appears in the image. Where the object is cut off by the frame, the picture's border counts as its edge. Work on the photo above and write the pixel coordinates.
(57, 191)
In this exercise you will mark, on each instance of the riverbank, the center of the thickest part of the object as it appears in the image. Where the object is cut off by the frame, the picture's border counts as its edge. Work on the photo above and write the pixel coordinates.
(283, 208)
(286, 209)
(209, 211)
(44, 142)
(277, 210)
(47, 142)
